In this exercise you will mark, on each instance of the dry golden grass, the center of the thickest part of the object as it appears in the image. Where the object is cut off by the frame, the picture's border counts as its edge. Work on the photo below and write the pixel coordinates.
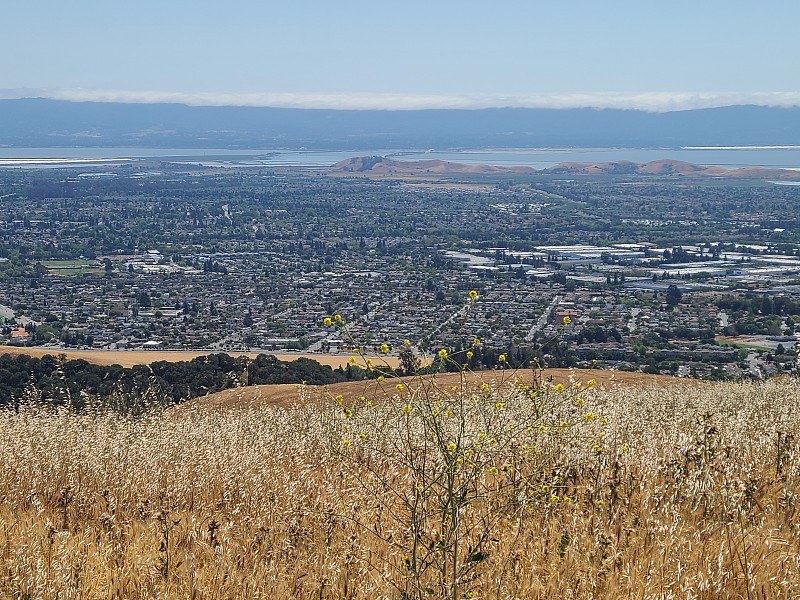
(684, 492)
(130, 358)
(286, 395)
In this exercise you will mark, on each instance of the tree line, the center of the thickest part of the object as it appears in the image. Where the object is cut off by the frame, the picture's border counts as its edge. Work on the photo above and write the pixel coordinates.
(56, 380)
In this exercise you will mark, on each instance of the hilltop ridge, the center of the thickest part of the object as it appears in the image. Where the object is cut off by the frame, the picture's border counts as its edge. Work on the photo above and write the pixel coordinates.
(32, 122)
(381, 164)
(292, 394)
(664, 167)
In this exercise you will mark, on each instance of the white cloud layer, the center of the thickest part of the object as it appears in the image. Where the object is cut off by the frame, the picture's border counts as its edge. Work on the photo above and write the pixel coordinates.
(648, 101)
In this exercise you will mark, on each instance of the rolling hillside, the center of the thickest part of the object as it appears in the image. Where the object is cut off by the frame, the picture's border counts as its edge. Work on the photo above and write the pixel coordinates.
(290, 394)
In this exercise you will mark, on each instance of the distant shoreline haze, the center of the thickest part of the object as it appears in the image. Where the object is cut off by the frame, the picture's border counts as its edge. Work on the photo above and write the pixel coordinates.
(535, 158)
(42, 123)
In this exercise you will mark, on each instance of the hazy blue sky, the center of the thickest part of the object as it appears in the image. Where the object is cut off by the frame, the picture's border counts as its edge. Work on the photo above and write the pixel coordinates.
(404, 53)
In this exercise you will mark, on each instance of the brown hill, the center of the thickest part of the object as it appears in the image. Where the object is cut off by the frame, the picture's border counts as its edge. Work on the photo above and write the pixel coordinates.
(383, 165)
(626, 167)
(668, 167)
(292, 394)
(380, 165)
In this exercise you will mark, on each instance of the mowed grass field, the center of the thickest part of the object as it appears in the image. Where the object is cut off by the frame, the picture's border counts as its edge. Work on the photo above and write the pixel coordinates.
(487, 486)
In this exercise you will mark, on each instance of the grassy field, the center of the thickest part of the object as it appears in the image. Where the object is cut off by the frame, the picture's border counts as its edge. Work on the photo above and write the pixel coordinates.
(68, 264)
(447, 488)
(748, 342)
(71, 267)
(130, 358)
(286, 395)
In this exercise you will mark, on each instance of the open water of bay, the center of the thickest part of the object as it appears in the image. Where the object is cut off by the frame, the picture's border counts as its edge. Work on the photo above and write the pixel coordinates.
(538, 158)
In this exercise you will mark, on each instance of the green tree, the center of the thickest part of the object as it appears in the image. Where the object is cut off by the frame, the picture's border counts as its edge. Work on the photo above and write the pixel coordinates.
(674, 296)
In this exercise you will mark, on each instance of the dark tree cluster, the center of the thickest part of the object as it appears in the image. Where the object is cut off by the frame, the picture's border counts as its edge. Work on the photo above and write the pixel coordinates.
(54, 380)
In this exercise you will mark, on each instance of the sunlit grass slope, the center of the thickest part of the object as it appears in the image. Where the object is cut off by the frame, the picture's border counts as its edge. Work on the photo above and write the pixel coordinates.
(456, 489)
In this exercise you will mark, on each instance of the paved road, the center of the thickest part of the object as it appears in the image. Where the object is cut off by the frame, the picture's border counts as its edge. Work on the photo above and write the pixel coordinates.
(752, 364)
(459, 313)
(543, 319)
(632, 323)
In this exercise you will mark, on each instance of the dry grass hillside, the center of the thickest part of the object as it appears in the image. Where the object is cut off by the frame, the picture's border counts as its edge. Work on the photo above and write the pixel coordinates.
(289, 394)
(445, 488)
(380, 164)
(130, 358)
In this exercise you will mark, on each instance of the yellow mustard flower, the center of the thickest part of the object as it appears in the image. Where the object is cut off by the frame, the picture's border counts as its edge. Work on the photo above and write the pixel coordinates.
(443, 353)
(473, 294)
(384, 348)
(327, 322)
(567, 320)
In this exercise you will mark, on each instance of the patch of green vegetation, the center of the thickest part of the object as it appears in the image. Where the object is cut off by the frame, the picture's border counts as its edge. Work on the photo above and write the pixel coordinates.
(741, 344)
(68, 264)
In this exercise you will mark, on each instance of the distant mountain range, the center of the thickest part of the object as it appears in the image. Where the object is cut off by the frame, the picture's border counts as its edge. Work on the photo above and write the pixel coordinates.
(366, 165)
(52, 123)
